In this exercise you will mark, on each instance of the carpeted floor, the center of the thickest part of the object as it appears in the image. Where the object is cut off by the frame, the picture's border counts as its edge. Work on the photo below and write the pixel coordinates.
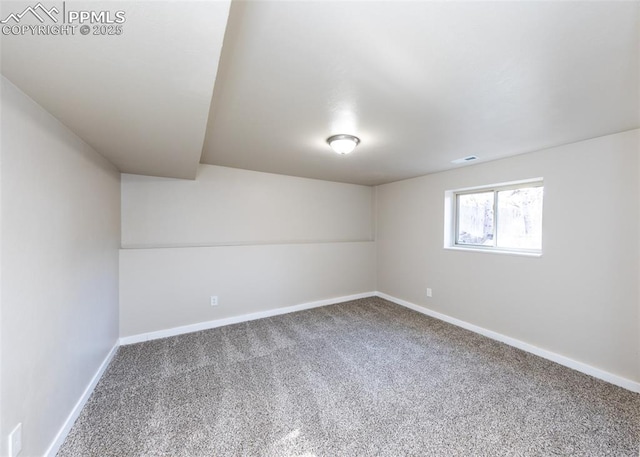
(363, 378)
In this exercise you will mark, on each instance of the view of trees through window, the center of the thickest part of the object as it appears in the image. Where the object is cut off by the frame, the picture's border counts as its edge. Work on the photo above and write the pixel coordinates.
(509, 218)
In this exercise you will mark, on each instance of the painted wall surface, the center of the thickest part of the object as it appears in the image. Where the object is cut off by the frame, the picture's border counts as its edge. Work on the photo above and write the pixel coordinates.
(580, 299)
(165, 288)
(232, 206)
(60, 239)
(256, 240)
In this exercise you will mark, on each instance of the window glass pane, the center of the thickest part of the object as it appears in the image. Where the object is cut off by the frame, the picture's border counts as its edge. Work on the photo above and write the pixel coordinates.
(475, 219)
(520, 218)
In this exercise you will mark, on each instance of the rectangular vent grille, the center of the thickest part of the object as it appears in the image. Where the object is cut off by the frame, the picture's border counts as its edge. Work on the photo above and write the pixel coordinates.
(465, 159)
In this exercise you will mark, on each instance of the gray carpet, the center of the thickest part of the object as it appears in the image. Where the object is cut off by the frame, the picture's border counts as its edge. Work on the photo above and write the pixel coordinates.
(363, 378)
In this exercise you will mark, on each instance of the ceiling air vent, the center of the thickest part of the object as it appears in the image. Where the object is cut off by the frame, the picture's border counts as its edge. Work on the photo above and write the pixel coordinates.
(465, 159)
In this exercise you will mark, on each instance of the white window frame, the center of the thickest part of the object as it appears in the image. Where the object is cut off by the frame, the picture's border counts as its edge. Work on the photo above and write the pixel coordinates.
(451, 217)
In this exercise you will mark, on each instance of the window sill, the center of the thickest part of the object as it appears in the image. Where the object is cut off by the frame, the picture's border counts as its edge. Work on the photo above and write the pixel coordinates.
(494, 251)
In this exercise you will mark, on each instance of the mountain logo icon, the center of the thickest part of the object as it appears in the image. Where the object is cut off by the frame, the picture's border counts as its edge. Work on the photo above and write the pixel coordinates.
(39, 11)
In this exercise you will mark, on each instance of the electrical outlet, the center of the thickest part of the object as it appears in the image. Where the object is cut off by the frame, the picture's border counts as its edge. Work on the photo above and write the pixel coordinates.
(15, 441)
(429, 292)
(214, 300)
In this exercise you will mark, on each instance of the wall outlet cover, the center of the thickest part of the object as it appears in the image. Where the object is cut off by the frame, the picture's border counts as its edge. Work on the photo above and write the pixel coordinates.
(214, 300)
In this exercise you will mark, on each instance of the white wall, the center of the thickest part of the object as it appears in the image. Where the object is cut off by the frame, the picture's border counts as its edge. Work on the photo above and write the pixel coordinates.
(257, 240)
(165, 288)
(232, 206)
(60, 239)
(580, 299)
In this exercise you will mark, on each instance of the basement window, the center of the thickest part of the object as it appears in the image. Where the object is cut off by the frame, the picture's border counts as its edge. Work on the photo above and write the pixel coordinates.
(503, 218)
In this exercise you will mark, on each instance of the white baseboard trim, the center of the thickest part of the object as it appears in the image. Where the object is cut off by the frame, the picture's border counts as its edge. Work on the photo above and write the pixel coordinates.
(554, 357)
(75, 412)
(141, 337)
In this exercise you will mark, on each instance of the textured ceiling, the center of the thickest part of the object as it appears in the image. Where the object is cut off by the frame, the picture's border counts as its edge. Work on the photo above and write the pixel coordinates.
(421, 83)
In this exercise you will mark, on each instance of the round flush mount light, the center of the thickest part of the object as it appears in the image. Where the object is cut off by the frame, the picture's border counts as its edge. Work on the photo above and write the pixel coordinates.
(343, 144)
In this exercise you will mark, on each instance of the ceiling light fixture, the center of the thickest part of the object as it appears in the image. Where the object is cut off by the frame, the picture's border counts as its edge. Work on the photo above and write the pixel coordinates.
(343, 144)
